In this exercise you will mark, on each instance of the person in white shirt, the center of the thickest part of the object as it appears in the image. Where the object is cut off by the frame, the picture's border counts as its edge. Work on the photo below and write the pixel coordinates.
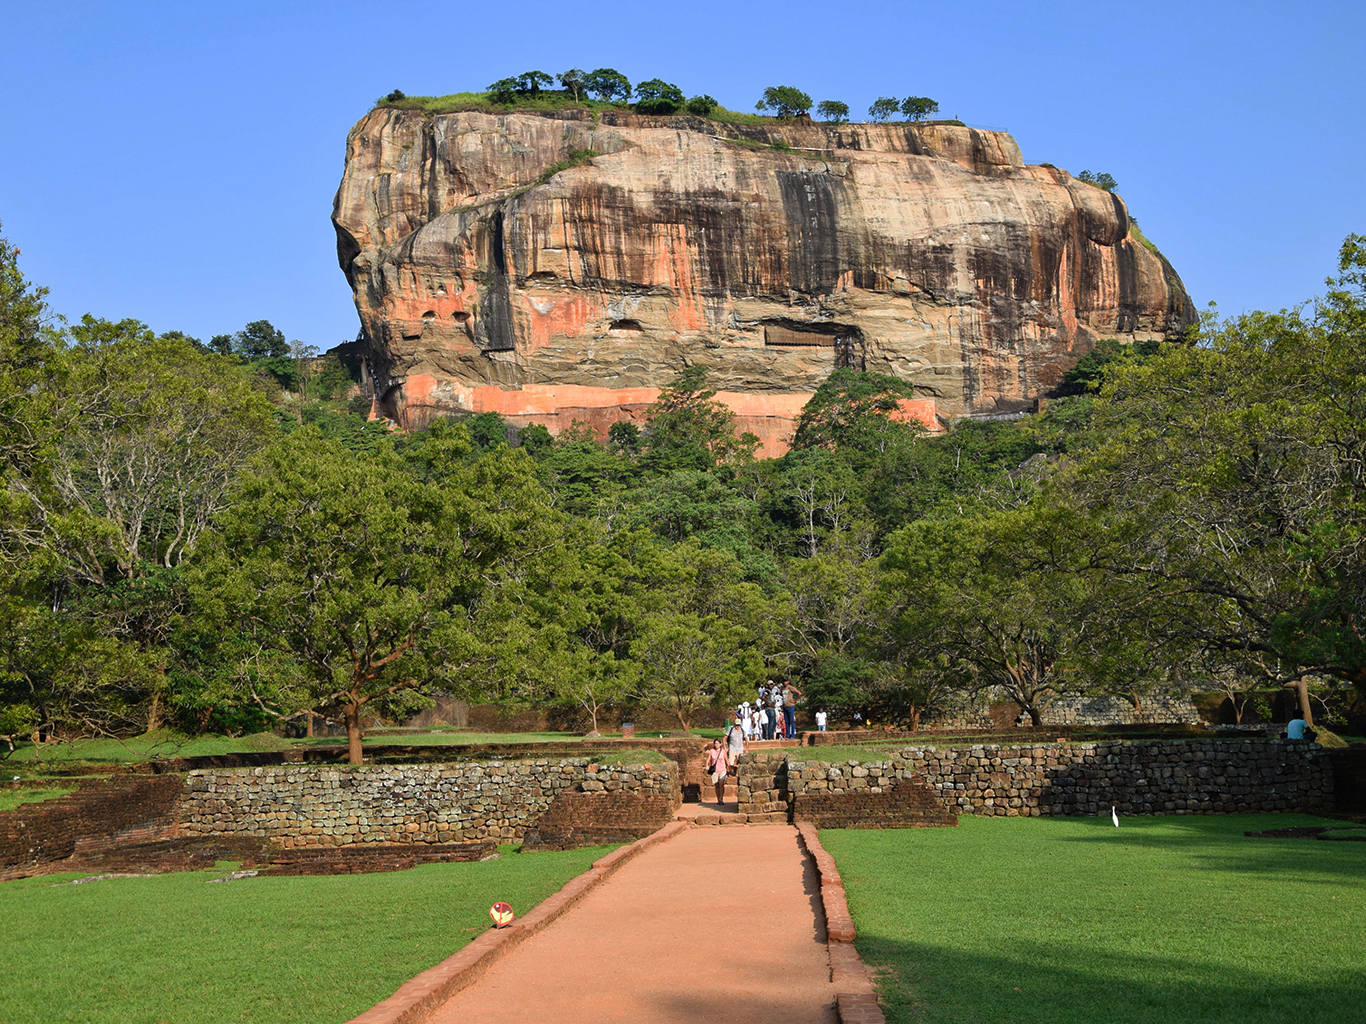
(820, 719)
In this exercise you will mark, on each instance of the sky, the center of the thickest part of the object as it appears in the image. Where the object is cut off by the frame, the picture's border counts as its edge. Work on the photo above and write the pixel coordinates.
(176, 163)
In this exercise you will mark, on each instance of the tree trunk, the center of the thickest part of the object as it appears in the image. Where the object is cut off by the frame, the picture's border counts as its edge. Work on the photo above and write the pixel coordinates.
(353, 749)
(1035, 718)
(1306, 712)
(915, 719)
(308, 728)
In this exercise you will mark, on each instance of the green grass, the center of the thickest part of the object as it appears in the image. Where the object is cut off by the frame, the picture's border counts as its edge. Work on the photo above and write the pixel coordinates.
(12, 798)
(147, 747)
(284, 950)
(1070, 921)
(447, 739)
(458, 101)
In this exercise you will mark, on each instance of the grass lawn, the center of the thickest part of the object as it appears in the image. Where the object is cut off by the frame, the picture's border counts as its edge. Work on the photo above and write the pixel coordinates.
(309, 949)
(149, 746)
(12, 798)
(1071, 921)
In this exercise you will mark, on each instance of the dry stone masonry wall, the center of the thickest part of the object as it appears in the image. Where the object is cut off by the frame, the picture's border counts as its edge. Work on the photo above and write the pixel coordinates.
(449, 803)
(1185, 777)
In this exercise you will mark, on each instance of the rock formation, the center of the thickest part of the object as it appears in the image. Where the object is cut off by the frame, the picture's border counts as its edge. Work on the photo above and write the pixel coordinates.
(560, 266)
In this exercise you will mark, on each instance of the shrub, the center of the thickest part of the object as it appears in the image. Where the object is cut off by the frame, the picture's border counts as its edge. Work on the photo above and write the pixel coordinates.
(702, 105)
(503, 91)
(395, 97)
(1101, 179)
(655, 96)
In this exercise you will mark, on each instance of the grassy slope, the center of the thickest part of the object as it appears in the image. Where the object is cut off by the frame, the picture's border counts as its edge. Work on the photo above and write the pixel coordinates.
(1068, 921)
(10, 799)
(172, 948)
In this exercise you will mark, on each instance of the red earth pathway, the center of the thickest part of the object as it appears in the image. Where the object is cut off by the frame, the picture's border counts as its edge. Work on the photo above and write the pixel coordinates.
(715, 924)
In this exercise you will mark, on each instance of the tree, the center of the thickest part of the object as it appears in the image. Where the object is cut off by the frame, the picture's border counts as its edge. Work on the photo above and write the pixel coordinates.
(686, 429)
(918, 108)
(530, 83)
(987, 593)
(658, 97)
(785, 101)
(884, 108)
(854, 411)
(702, 105)
(833, 110)
(1228, 481)
(608, 85)
(573, 81)
(260, 340)
(367, 572)
(504, 91)
(1100, 179)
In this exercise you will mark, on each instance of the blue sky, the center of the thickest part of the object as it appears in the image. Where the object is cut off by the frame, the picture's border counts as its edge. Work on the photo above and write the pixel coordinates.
(176, 162)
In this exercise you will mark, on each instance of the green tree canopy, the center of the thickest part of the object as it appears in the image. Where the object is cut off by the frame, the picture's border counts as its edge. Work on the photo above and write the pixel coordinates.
(784, 101)
(918, 108)
(884, 108)
(834, 111)
(1100, 179)
(608, 85)
(656, 96)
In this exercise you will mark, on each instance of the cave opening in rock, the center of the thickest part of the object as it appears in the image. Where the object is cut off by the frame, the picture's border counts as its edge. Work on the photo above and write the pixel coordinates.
(627, 327)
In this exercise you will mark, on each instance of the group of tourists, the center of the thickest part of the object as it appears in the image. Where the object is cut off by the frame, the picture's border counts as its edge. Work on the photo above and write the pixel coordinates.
(773, 714)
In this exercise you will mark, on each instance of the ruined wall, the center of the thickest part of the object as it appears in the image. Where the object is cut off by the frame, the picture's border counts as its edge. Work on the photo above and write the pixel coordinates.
(1176, 777)
(444, 803)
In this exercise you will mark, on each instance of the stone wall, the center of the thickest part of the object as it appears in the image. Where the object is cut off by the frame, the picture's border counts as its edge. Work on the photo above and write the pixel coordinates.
(1119, 711)
(1088, 711)
(1174, 777)
(296, 805)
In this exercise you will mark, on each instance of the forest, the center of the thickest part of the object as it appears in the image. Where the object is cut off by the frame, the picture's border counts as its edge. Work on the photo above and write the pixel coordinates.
(214, 538)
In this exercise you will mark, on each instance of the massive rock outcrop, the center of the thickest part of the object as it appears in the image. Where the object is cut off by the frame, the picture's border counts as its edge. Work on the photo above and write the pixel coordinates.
(560, 266)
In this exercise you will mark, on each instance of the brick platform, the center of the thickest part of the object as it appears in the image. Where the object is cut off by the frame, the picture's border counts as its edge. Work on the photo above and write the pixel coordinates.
(909, 803)
(576, 820)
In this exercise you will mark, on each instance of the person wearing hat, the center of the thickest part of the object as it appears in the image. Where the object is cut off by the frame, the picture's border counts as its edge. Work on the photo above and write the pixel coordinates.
(735, 742)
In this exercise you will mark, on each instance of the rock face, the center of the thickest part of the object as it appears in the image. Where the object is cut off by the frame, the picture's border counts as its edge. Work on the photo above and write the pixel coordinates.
(497, 266)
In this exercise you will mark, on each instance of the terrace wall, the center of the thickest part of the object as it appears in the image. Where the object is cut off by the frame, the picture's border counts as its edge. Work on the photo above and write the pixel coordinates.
(296, 805)
(1177, 777)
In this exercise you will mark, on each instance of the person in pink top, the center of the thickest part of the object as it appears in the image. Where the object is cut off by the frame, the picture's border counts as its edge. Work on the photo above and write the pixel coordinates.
(716, 768)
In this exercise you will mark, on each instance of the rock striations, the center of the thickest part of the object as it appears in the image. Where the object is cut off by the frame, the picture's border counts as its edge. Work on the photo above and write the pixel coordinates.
(558, 266)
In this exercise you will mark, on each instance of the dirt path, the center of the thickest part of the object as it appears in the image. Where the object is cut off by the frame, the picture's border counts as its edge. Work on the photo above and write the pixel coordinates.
(718, 923)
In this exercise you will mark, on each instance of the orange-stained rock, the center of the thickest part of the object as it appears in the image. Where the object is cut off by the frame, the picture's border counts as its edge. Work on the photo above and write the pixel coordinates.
(933, 253)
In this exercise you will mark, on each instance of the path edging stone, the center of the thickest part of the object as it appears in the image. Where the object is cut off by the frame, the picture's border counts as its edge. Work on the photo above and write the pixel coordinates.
(855, 999)
(419, 996)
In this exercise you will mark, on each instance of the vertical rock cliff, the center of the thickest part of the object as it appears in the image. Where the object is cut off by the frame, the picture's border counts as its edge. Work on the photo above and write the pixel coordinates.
(555, 266)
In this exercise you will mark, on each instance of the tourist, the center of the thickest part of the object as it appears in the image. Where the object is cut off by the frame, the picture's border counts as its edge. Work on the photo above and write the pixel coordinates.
(716, 768)
(757, 723)
(775, 711)
(770, 710)
(820, 719)
(790, 695)
(735, 743)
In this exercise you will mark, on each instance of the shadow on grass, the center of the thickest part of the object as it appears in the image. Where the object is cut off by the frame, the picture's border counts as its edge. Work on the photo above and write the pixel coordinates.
(1030, 982)
(1218, 842)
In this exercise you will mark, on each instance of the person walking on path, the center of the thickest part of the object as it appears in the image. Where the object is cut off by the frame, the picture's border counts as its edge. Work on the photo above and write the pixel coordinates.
(790, 696)
(735, 743)
(716, 768)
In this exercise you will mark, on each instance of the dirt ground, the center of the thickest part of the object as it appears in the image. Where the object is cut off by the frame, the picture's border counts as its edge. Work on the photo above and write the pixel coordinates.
(717, 923)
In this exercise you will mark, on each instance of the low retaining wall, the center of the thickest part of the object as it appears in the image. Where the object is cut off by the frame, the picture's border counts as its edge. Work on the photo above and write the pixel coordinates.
(1176, 777)
(448, 803)
(102, 815)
